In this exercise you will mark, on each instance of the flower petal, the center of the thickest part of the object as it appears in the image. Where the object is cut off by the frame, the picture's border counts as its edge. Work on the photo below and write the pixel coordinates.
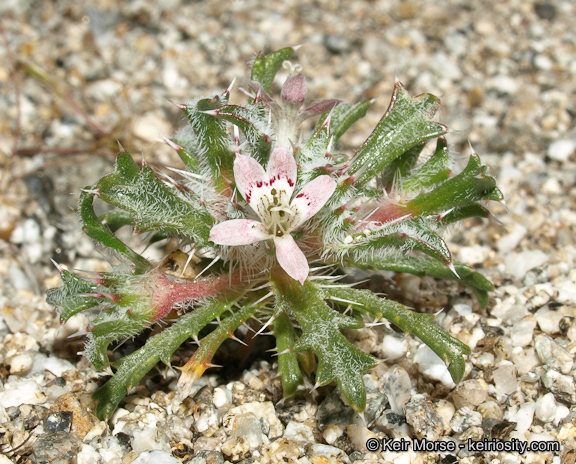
(238, 232)
(318, 108)
(291, 258)
(311, 198)
(282, 171)
(251, 179)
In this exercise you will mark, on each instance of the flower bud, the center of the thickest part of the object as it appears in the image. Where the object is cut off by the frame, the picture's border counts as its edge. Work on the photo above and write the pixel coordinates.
(294, 89)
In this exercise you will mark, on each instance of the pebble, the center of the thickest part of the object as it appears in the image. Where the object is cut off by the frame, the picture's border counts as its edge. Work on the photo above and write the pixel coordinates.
(333, 411)
(155, 457)
(508, 242)
(464, 418)
(523, 415)
(394, 346)
(319, 453)
(525, 360)
(206, 416)
(561, 385)
(263, 411)
(518, 264)
(432, 367)
(222, 396)
(505, 379)
(552, 354)
(56, 447)
(549, 319)
(82, 420)
(491, 410)
(332, 433)
(249, 429)
(561, 150)
(58, 422)
(358, 436)
(21, 391)
(397, 389)
(421, 414)
(546, 408)
(522, 332)
(375, 404)
(20, 364)
(470, 393)
(282, 450)
(87, 455)
(299, 433)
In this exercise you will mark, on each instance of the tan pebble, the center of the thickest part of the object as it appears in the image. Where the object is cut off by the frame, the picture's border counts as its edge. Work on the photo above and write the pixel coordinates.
(82, 420)
(490, 410)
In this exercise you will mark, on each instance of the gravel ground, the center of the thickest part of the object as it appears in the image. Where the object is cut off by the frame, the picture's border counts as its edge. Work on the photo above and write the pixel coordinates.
(74, 79)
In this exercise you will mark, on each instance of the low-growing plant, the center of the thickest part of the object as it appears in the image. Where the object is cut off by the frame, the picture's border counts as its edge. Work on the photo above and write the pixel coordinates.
(272, 220)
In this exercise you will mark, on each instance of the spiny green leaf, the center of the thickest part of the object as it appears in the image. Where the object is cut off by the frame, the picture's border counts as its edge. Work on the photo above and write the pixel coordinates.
(66, 298)
(423, 266)
(463, 212)
(448, 348)
(265, 67)
(409, 235)
(401, 167)
(343, 116)
(95, 229)
(470, 186)
(434, 170)
(312, 156)
(288, 367)
(153, 205)
(161, 347)
(214, 148)
(338, 359)
(405, 124)
(254, 124)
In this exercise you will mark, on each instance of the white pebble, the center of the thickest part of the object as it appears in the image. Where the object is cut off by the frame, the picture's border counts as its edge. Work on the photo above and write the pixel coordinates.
(505, 379)
(463, 309)
(21, 391)
(546, 408)
(394, 347)
(359, 435)
(431, 366)
(561, 412)
(508, 242)
(522, 331)
(475, 254)
(20, 364)
(298, 432)
(549, 320)
(222, 396)
(566, 292)
(87, 455)
(523, 416)
(264, 411)
(518, 264)
(560, 150)
(53, 364)
(332, 433)
(525, 360)
(155, 457)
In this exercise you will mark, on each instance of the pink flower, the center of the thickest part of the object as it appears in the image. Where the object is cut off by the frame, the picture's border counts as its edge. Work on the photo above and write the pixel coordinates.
(269, 194)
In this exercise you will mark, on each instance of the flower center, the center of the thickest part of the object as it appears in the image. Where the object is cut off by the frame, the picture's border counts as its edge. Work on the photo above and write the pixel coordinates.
(280, 214)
